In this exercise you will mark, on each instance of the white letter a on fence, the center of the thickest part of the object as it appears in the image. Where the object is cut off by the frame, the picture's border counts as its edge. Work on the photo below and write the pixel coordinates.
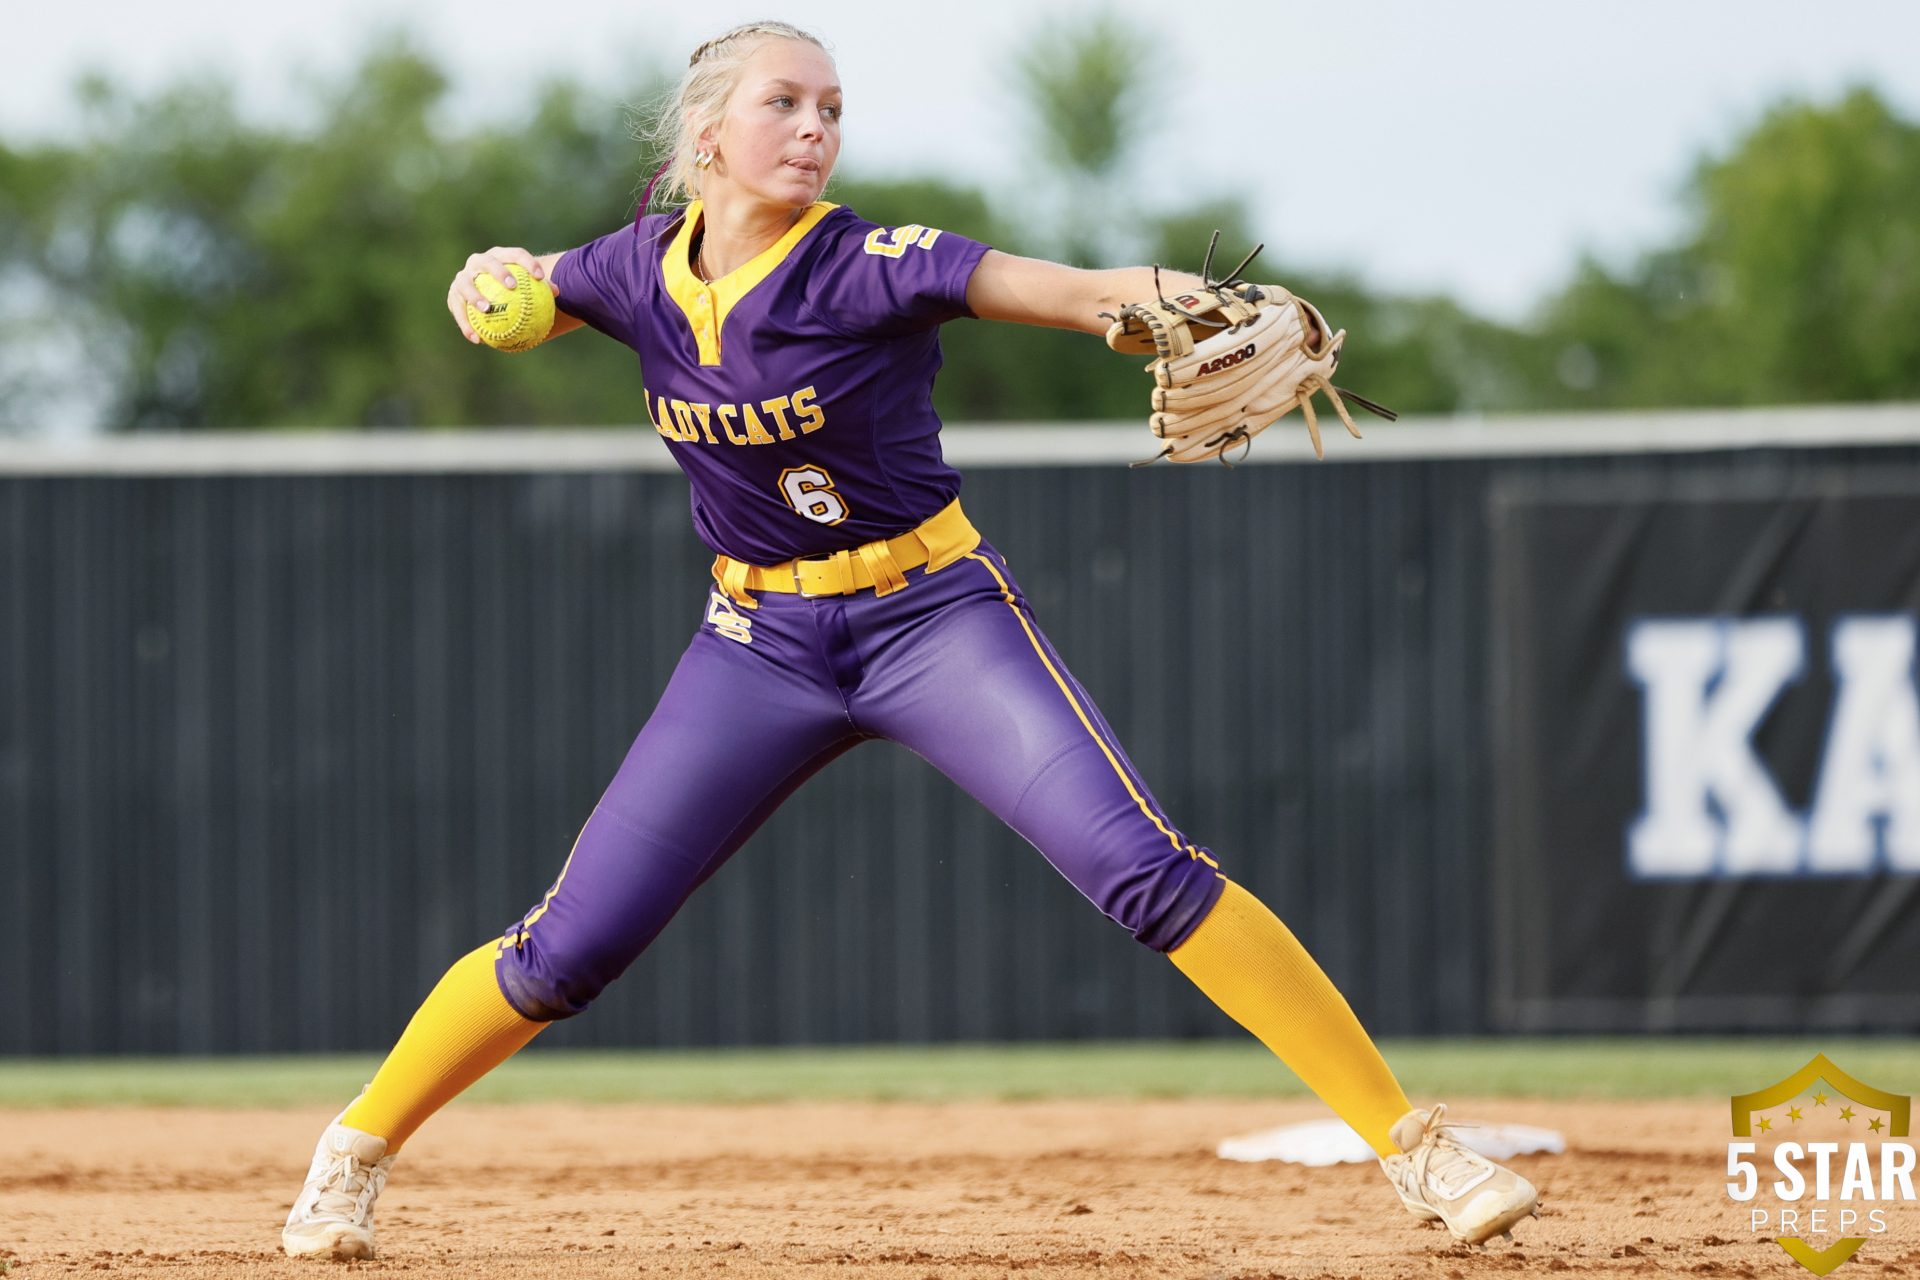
(1872, 765)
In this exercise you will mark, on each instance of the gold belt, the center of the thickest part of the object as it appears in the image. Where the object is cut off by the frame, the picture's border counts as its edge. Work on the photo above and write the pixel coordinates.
(881, 564)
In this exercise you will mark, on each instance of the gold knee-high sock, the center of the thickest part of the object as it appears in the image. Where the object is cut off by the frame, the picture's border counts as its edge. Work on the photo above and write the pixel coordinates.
(464, 1029)
(1253, 967)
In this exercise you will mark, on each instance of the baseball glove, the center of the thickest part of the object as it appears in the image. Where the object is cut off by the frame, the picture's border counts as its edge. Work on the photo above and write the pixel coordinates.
(1231, 359)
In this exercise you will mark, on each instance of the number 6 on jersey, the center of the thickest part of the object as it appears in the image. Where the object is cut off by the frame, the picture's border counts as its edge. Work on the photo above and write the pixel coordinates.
(809, 491)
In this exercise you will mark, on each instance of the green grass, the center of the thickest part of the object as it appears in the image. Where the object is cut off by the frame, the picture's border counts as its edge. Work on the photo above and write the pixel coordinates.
(1537, 1067)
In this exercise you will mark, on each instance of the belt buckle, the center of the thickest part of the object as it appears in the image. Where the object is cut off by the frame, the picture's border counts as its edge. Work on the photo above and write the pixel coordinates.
(845, 560)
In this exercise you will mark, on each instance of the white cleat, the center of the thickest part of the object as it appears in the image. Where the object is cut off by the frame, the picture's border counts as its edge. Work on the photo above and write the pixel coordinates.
(333, 1215)
(1441, 1180)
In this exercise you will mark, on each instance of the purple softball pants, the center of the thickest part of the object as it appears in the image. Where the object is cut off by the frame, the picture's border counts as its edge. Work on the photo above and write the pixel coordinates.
(951, 666)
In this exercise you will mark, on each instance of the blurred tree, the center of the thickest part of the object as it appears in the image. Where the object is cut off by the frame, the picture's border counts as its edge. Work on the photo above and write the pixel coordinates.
(1809, 254)
(40, 334)
(1079, 79)
(225, 275)
(1075, 75)
(188, 268)
(221, 274)
(1797, 281)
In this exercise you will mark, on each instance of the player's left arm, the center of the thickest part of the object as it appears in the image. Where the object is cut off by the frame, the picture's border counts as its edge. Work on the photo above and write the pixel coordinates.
(1034, 291)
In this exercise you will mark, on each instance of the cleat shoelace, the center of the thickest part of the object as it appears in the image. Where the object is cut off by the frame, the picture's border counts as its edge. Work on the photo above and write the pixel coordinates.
(1440, 1161)
(347, 1191)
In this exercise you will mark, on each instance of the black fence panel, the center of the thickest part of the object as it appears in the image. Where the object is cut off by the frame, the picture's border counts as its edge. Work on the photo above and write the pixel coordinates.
(275, 749)
(1710, 734)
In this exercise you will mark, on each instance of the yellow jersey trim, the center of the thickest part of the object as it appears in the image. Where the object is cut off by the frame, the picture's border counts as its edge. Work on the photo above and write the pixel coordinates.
(707, 306)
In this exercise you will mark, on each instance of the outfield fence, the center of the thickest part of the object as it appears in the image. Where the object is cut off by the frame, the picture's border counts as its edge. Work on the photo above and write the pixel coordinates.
(287, 722)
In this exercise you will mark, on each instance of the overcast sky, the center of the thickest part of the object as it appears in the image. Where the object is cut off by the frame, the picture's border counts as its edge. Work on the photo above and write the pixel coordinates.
(1474, 148)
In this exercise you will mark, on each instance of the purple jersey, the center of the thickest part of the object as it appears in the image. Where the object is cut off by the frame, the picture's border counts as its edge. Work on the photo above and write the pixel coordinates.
(797, 391)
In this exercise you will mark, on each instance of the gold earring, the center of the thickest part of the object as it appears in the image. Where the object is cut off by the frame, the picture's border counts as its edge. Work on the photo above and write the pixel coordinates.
(704, 160)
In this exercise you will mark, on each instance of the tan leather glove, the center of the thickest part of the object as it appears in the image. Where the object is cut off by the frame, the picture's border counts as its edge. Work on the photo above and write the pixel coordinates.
(1231, 359)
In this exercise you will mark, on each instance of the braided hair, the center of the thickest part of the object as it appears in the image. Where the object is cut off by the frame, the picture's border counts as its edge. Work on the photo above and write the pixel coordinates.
(713, 72)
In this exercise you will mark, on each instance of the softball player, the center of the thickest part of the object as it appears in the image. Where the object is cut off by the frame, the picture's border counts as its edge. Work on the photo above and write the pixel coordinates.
(789, 349)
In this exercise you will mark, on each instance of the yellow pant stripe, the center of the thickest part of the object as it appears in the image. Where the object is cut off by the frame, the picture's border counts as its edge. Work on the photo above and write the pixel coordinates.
(537, 912)
(1006, 594)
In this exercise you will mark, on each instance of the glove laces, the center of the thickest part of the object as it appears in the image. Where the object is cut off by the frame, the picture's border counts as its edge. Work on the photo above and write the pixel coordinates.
(1235, 285)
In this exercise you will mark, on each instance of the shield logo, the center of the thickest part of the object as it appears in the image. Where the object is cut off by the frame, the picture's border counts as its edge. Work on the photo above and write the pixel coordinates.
(1819, 1075)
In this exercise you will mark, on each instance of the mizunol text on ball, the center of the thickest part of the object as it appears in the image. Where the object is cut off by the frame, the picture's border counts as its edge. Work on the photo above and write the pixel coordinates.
(1857, 1180)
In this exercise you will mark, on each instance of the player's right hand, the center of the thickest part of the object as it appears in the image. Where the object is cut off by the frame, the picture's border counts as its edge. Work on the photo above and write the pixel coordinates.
(504, 265)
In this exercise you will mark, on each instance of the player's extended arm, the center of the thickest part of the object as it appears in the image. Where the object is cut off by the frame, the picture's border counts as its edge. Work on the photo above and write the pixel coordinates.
(500, 263)
(1034, 291)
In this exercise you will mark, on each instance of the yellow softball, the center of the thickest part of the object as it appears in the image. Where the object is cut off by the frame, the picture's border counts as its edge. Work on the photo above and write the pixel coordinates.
(522, 316)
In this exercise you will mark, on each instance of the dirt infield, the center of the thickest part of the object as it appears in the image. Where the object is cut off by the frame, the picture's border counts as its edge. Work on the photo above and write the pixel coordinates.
(874, 1191)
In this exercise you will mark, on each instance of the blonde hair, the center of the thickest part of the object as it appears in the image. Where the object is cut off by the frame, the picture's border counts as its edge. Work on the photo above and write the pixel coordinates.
(700, 100)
